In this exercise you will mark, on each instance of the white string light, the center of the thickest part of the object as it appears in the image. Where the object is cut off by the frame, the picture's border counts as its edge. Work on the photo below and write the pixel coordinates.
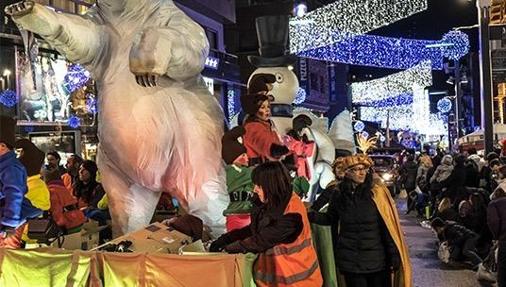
(392, 85)
(414, 117)
(331, 23)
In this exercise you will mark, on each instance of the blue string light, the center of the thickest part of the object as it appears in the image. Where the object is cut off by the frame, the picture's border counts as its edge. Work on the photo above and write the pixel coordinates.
(359, 126)
(444, 105)
(74, 122)
(76, 78)
(300, 97)
(396, 53)
(399, 100)
(91, 103)
(8, 98)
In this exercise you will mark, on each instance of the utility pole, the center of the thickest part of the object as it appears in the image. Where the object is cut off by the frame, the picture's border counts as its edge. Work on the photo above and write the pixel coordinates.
(458, 91)
(487, 103)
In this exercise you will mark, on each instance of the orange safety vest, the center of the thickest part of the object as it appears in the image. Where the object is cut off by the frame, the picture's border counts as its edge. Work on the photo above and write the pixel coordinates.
(294, 264)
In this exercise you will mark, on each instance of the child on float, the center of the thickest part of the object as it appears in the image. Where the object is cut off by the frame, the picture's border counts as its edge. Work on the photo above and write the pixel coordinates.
(239, 184)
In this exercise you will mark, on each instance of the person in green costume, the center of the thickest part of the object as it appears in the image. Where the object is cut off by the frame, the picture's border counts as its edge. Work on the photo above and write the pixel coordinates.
(239, 184)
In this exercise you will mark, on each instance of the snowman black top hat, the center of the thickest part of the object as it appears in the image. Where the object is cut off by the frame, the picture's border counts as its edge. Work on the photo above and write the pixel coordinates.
(272, 33)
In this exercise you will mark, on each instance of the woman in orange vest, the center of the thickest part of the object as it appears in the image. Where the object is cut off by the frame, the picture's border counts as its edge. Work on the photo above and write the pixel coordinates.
(279, 232)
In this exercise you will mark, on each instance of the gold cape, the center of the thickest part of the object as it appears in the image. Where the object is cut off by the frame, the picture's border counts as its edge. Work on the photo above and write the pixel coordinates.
(386, 207)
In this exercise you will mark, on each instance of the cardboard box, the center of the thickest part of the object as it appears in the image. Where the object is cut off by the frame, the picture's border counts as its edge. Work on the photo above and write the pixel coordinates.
(155, 238)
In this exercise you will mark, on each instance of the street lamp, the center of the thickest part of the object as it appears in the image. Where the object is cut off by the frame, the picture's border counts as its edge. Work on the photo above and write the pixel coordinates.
(7, 74)
(300, 9)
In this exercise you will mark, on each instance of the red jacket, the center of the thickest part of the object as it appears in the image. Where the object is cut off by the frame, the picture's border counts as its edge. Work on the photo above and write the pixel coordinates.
(64, 206)
(258, 139)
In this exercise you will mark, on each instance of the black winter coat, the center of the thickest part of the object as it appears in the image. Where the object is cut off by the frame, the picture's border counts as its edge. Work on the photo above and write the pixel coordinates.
(409, 171)
(472, 174)
(455, 184)
(363, 243)
(269, 227)
(456, 234)
(496, 218)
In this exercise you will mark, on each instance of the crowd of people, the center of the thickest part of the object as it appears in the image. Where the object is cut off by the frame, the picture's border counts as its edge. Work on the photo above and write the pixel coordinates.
(461, 196)
(35, 186)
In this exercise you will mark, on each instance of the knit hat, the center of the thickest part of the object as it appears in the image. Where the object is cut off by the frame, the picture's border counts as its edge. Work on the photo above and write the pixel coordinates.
(231, 148)
(342, 164)
(91, 167)
(251, 102)
(301, 121)
(8, 131)
(32, 157)
(259, 83)
(447, 160)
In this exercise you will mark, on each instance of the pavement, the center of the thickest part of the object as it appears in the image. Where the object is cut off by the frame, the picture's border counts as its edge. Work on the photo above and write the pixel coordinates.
(428, 270)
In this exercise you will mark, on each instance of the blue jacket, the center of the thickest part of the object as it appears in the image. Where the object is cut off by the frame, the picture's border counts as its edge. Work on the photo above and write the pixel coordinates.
(15, 208)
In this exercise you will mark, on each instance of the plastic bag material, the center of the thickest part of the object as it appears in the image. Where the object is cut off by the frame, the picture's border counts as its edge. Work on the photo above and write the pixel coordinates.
(444, 252)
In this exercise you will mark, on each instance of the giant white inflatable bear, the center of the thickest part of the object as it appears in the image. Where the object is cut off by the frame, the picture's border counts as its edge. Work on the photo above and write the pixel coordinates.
(159, 128)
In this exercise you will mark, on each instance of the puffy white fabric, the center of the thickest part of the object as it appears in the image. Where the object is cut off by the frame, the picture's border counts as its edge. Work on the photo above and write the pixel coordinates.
(160, 139)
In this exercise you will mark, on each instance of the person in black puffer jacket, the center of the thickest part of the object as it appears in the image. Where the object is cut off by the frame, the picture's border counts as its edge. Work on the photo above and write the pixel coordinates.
(363, 247)
(459, 237)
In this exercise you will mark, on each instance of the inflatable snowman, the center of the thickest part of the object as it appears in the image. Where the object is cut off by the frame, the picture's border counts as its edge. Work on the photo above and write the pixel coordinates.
(275, 71)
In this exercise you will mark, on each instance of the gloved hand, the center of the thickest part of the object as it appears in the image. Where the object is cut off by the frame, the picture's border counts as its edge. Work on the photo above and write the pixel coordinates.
(235, 247)
(311, 215)
(218, 245)
(395, 262)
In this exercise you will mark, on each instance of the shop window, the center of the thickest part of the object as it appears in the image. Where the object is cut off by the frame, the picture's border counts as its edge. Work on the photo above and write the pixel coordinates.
(313, 78)
(322, 85)
(212, 37)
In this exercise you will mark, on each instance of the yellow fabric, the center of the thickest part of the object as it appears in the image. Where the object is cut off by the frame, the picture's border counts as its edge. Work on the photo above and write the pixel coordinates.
(56, 267)
(388, 211)
(44, 267)
(38, 194)
(139, 269)
(104, 202)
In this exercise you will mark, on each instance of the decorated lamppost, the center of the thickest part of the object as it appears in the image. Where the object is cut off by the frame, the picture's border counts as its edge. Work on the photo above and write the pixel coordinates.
(485, 75)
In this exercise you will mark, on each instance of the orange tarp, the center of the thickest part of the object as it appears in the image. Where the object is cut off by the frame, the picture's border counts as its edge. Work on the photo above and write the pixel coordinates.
(56, 267)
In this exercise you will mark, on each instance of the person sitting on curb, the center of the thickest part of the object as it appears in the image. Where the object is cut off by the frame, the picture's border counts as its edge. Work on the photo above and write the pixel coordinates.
(459, 238)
